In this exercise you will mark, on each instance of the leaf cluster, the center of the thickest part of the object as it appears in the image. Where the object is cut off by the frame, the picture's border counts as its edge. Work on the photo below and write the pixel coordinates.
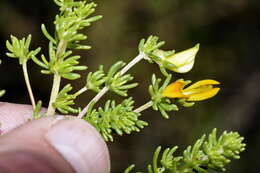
(113, 80)
(205, 155)
(74, 16)
(115, 118)
(117, 82)
(161, 103)
(95, 80)
(20, 49)
(63, 64)
(65, 101)
(147, 46)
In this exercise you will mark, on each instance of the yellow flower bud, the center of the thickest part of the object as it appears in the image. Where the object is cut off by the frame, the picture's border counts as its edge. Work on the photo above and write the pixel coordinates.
(181, 62)
(198, 91)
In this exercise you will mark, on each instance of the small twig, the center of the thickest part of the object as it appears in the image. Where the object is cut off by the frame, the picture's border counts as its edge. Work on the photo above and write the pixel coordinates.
(79, 92)
(138, 58)
(144, 107)
(132, 63)
(28, 85)
(95, 99)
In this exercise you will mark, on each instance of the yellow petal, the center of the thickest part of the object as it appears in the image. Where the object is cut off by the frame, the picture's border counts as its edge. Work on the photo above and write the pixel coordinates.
(184, 57)
(200, 89)
(184, 68)
(174, 90)
(203, 95)
(202, 83)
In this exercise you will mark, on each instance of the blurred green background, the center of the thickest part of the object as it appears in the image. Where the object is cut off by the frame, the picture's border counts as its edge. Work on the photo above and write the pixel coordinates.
(229, 33)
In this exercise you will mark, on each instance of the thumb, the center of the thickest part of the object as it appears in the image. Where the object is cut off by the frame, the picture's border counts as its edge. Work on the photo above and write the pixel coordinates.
(54, 144)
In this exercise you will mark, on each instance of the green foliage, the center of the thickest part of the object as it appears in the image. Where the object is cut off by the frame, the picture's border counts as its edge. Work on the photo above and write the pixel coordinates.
(115, 118)
(64, 64)
(117, 82)
(158, 56)
(229, 145)
(20, 49)
(161, 103)
(205, 155)
(113, 80)
(65, 100)
(36, 111)
(184, 103)
(149, 45)
(73, 17)
(96, 79)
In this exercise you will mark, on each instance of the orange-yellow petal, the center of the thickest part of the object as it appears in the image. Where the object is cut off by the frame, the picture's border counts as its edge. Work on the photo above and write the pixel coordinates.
(202, 83)
(174, 90)
(203, 95)
(200, 89)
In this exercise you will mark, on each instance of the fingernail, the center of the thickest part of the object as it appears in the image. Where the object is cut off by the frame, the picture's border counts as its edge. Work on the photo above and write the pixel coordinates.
(80, 144)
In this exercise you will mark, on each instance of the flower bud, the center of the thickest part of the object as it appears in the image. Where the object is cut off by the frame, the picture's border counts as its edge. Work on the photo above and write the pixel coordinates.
(181, 62)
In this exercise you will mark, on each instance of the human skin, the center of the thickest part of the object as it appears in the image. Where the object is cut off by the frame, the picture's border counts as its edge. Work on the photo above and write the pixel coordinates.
(53, 144)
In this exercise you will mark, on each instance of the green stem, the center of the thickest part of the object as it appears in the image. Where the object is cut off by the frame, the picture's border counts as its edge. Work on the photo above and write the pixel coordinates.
(144, 107)
(56, 79)
(28, 85)
(54, 94)
(95, 99)
(132, 63)
(79, 92)
(61, 49)
(137, 59)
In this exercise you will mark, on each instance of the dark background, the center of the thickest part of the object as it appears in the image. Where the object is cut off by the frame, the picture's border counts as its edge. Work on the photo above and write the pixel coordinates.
(229, 33)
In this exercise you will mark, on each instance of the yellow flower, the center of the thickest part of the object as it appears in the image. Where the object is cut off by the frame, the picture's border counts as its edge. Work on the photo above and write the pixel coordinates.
(181, 62)
(198, 91)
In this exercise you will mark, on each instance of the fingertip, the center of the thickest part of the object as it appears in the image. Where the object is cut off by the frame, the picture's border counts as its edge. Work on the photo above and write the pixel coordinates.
(13, 115)
(74, 139)
(80, 144)
(64, 141)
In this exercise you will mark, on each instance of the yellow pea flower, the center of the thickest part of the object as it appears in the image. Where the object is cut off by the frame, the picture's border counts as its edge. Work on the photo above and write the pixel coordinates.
(181, 62)
(198, 91)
